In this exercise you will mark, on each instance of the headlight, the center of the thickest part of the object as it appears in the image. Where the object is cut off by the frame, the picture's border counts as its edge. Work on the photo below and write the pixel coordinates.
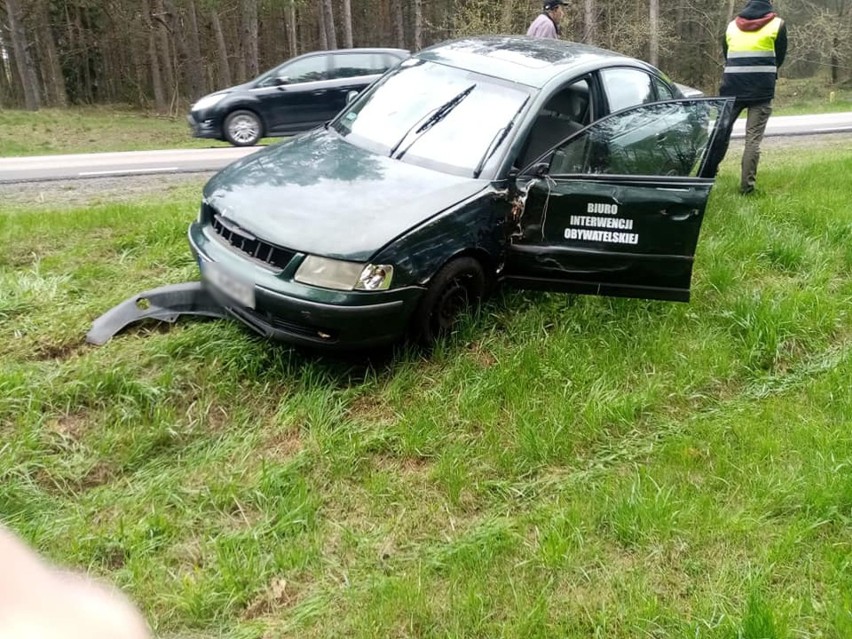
(208, 101)
(344, 276)
(375, 277)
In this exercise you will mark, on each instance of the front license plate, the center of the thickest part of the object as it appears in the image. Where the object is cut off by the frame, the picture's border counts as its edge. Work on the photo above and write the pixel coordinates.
(240, 290)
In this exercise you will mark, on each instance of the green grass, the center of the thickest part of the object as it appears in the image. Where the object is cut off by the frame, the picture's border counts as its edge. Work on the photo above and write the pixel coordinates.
(564, 467)
(93, 130)
(801, 96)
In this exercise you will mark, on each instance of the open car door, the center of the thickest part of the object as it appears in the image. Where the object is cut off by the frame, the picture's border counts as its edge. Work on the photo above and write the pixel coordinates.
(617, 208)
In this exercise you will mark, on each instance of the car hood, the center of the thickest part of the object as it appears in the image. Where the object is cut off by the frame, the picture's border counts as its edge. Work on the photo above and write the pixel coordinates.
(319, 194)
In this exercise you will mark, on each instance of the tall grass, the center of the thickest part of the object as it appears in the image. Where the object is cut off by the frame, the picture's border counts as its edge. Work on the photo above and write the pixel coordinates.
(564, 466)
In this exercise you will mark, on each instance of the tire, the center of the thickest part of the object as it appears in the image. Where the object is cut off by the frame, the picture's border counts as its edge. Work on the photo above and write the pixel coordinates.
(243, 128)
(456, 289)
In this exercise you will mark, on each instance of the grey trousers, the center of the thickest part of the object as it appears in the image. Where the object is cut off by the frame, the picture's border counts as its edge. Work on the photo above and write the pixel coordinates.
(756, 119)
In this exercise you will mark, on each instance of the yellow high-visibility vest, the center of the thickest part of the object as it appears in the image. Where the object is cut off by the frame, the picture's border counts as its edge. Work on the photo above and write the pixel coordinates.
(752, 51)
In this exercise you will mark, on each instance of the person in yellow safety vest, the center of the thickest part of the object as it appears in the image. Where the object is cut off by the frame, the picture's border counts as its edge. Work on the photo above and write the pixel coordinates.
(755, 45)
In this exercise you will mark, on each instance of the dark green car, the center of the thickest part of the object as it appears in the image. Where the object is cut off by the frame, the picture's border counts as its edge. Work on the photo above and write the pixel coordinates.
(533, 162)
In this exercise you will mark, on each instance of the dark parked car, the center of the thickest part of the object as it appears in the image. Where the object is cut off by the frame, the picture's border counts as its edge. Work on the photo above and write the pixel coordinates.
(295, 96)
(534, 162)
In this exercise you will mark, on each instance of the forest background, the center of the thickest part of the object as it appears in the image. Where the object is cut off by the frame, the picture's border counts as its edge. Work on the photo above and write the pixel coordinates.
(162, 54)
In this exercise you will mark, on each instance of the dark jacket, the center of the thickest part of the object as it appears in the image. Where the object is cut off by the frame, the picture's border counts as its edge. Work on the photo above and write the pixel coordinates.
(754, 87)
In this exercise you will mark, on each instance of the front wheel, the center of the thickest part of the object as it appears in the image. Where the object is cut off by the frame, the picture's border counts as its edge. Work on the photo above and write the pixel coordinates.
(243, 128)
(454, 290)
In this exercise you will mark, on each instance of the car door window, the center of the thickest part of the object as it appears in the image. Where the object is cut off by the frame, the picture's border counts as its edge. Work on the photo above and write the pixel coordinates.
(351, 65)
(626, 88)
(311, 69)
(656, 139)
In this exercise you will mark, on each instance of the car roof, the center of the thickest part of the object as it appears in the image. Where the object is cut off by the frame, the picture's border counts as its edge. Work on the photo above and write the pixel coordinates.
(522, 59)
(398, 52)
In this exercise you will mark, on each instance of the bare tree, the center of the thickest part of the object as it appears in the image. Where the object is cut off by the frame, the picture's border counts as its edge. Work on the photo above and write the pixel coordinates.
(328, 20)
(418, 25)
(249, 41)
(589, 21)
(346, 17)
(323, 30)
(51, 68)
(23, 58)
(221, 49)
(154, 60)
(398, 23)
(291, 21)
(195, 64)
(654, 44)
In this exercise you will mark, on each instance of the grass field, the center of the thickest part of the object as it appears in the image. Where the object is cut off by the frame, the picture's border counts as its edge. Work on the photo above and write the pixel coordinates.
(93, 130)
(563, 467)
(102, 129)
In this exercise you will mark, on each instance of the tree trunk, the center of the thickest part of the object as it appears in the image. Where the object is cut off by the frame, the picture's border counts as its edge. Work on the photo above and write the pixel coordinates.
(399, 24)
(164, 47)
(250, 52)
(323, 31)
(198, 85)
(294, 39)
(51, 68)
(222, 50)
(589, 18)
(654, 52)
(834, 62)
(9, 92)
(153, 60)
(347, 23)
(26, 67)
(328, 20)
(184, 82)
(418, 25)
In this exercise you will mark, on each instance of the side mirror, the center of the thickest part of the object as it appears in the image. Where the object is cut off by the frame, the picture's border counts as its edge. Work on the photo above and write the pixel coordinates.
(541, 169)
(281, 80)
(351, 95)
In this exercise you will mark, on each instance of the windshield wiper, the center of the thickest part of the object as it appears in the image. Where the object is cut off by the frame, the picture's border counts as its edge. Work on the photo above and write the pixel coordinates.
(498, 139)
(436, 116)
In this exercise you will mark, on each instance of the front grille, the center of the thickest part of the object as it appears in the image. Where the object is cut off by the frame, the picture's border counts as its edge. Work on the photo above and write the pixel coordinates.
(247, 243)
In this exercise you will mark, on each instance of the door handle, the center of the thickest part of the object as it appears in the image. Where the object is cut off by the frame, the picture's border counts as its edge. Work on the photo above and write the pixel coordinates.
(319, 92)
(679, 215)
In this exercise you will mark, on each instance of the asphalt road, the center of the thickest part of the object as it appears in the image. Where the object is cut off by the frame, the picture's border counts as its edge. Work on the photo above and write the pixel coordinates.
(99, 165)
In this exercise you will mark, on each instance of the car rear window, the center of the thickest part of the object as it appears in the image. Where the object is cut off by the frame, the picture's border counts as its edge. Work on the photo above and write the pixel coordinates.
(351, 65)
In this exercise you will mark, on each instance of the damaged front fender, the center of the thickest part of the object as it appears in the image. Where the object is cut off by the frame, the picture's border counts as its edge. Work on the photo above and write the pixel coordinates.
(165, 303)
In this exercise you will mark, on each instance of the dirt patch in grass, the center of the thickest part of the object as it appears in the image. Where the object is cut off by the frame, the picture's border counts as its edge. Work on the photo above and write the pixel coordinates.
(70, 425)
(280, 595)
(45, 352)
(371, 410)
(282, 445)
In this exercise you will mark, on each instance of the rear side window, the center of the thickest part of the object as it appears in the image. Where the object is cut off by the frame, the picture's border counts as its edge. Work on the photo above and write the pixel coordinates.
(310, 69)
(627, 87)
(352, 65)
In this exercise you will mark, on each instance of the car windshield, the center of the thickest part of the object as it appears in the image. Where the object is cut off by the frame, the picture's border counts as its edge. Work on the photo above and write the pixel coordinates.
(434, 115)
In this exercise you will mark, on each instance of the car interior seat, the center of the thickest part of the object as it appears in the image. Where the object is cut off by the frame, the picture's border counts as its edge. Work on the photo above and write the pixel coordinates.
(563, 115)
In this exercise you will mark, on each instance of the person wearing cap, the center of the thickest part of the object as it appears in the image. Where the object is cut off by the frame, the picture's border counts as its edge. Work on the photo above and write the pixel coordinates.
(755, 45)
(546, 25)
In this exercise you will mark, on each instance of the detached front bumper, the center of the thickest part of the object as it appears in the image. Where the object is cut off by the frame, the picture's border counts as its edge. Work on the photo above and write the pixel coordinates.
(304, 315)
(204, 128)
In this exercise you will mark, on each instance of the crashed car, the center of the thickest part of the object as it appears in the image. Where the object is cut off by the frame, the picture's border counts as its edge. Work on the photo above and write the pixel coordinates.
(532, 162)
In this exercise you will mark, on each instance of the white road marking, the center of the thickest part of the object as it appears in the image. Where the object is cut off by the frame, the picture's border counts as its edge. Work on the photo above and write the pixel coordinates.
(126, 171)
